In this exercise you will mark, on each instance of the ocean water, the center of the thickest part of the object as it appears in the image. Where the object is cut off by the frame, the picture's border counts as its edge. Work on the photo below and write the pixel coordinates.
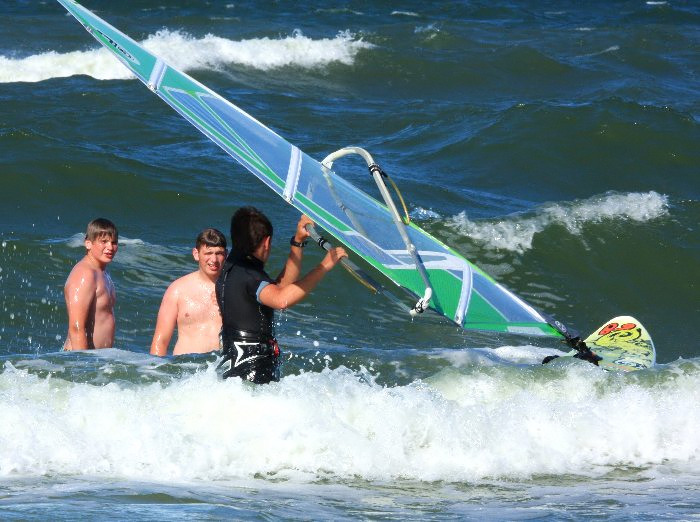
(555, 144)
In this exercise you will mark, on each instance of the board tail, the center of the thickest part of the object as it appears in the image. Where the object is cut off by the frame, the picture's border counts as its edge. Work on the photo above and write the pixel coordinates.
(623, 343)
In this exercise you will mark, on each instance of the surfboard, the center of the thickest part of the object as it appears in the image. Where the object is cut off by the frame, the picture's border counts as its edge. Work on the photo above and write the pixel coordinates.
(623, 343)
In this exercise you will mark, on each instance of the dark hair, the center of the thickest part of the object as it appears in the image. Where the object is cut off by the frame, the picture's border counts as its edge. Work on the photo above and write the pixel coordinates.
(249, 227)
(101, 227)
(210, 237)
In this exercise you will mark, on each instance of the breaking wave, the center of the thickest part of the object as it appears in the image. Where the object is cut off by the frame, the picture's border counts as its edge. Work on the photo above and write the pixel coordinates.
(466, 423)
(516, 232)
(188, 53)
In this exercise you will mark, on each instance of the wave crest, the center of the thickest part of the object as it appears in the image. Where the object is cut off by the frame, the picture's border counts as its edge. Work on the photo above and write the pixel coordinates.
(517, 231)
(188, 53)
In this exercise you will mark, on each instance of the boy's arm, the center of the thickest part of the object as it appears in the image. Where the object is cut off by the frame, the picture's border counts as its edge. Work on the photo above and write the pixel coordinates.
(292, 268)
(278, 297)
(165, 324)
(80, 293)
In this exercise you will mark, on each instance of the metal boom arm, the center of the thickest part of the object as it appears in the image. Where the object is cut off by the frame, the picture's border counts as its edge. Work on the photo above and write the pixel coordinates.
(376, 173)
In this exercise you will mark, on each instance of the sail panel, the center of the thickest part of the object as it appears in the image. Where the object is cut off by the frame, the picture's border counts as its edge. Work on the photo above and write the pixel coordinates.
(461, 291)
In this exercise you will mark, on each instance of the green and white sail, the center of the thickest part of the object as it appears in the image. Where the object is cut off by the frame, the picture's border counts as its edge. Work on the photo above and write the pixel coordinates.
(416, 262)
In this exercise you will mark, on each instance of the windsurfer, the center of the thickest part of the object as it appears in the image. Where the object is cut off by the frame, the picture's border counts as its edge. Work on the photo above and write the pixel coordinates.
(247, 295)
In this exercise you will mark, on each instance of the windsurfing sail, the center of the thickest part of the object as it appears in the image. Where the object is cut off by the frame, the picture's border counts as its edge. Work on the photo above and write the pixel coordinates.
(409, 257)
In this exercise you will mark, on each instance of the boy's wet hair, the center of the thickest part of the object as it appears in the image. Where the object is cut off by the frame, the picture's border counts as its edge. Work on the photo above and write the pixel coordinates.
(210, 237)
(101, 227)
(249, 227)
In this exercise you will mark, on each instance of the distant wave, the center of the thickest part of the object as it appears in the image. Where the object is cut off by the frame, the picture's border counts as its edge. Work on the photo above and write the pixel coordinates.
(339, 10)
(187, 53)
(610, 49)
(517, 231)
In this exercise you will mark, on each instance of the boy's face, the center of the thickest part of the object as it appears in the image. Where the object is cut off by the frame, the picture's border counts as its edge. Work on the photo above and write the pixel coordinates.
(210, 259)
(103, 248)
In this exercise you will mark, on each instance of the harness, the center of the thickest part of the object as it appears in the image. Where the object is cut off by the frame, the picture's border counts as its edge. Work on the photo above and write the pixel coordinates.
(253, 360)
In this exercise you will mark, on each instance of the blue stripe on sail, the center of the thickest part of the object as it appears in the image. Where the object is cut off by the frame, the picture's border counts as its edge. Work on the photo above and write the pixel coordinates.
(219, 133)
(273, 150)
(212, 123)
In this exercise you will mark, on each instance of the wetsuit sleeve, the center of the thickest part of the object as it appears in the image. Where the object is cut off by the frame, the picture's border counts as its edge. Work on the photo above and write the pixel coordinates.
(262, 285)
(255, 285)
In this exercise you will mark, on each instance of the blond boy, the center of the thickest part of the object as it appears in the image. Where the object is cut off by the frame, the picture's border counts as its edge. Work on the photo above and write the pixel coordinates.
(89, 291)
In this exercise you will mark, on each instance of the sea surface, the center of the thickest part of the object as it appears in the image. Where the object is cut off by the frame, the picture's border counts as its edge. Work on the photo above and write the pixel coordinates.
(554, 144)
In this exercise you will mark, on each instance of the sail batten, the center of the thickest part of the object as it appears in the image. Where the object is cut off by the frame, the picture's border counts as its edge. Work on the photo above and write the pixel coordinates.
(460, 291)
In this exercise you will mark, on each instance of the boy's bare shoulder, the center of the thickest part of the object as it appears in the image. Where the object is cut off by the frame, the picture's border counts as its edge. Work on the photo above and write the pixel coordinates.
(80, 271)
(183, 283)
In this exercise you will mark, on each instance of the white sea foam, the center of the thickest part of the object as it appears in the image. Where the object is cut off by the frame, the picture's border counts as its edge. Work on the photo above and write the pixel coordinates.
(517, 231)
(492, 356)
(431, 29)
(456, 426)
(188, 53)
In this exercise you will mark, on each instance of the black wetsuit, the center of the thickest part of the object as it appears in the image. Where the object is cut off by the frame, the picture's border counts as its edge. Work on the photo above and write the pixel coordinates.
(249, 347)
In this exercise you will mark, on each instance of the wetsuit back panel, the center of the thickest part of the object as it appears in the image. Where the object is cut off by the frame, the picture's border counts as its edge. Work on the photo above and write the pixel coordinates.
(249, 348)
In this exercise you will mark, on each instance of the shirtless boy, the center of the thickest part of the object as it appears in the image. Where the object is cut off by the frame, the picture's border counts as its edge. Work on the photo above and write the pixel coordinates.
(190, 302)
(89, 291)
